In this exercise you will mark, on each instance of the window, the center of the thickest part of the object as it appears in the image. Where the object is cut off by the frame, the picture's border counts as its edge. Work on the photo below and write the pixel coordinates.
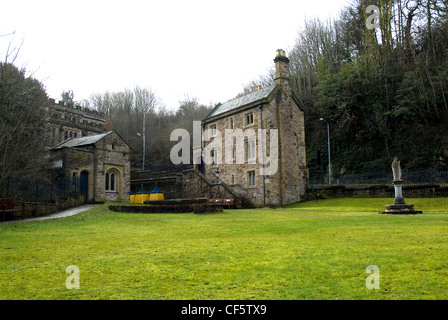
(214, 157)
(251, 178)
(231, 123)
(110, 182)
(213, 130)
(250, 150)
(249, 119)
(233, 179)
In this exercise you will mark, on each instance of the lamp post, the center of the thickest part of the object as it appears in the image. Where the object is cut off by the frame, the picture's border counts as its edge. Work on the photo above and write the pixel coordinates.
(329, 156)
(144, 148)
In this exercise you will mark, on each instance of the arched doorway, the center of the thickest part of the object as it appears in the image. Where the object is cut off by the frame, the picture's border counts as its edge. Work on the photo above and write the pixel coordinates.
(84, 185)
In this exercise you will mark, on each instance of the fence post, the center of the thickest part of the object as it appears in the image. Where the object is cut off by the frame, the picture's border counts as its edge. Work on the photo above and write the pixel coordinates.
(37, 191)
(51, 190)
(7, 187)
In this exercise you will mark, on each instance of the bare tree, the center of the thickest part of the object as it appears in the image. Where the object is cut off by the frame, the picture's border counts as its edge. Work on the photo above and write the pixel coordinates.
(23, 130)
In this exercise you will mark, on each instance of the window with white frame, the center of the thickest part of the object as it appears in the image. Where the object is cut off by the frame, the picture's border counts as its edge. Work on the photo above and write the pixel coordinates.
(250, 150)
(213, 130)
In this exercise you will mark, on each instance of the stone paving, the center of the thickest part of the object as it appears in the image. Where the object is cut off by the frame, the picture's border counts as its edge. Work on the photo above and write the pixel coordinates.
(61, 214)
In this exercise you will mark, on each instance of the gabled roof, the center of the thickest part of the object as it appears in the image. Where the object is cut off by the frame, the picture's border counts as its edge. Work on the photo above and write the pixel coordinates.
(81, 141)
(246, 100)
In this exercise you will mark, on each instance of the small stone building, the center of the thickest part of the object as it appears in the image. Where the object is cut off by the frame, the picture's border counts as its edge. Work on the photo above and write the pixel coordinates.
(273, 107)
(99, 165)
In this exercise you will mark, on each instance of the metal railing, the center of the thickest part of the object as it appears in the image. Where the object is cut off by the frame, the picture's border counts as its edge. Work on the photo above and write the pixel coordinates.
(420, 177)
(39, 190)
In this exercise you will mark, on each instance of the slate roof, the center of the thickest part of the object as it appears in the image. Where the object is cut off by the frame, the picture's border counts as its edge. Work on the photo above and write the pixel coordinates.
(241, 101)
(81, 141)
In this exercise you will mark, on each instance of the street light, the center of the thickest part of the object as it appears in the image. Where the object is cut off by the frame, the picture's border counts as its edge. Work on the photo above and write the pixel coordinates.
(144, 147)
(329, 156)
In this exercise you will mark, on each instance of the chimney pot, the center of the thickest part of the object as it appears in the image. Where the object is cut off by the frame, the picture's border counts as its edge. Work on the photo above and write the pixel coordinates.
(281, 53)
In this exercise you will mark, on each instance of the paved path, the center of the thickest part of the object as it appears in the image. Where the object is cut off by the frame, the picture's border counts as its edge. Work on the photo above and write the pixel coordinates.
(61, 214)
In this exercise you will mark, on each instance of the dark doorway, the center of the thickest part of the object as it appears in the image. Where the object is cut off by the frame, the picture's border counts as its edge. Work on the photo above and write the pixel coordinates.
(84, 185)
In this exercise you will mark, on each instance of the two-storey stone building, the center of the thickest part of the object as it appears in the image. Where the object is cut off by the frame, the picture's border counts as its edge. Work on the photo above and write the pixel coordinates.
(268, 167)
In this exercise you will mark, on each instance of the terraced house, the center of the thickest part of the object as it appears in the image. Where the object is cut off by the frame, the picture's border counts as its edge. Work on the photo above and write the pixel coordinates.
(243, 166)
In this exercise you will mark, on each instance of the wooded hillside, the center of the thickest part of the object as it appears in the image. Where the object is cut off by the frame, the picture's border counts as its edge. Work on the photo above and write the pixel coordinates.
(384, 91)
(382, 88)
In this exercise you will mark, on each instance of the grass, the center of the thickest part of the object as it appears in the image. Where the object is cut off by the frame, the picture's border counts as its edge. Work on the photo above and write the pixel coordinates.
(311, 250)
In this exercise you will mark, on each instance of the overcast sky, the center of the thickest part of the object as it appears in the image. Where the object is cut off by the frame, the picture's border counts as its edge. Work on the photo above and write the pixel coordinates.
(204, 49)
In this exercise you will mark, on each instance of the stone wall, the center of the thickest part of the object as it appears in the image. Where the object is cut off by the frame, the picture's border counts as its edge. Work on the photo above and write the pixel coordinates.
(170, 183)
(76, 161)
(196, 185)
(112, 156)
(39, 209)
(237, 172)
(291, 126)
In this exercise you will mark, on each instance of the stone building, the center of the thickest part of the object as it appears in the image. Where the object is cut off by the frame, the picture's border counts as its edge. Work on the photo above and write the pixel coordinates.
(243, 167)
(99, 165)
(71, 121)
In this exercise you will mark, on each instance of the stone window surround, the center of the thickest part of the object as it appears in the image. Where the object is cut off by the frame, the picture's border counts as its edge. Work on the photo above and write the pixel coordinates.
(251, 174)
(214, 157)
(111, 181)
(213, 130)
(247, 144)
(118, 171)
(249, 119)
(232, 123)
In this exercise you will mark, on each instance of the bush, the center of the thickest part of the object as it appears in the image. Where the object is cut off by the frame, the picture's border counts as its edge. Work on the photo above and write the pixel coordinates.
(206, 208)
(152, 209)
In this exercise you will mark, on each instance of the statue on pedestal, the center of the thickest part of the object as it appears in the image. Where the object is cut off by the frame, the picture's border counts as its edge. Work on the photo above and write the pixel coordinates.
(399, 206)
(396, 169)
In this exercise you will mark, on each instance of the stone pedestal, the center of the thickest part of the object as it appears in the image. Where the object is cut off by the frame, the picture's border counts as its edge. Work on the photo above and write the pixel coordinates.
(399, 206)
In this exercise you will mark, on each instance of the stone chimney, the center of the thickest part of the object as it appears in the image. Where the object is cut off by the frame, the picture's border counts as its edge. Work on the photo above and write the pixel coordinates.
(281, 67)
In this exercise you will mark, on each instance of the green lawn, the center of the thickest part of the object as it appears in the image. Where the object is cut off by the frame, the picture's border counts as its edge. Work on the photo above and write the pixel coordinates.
(312, 250)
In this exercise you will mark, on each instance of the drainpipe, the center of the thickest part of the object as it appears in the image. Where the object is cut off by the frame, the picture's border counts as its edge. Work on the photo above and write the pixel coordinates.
(262, 153)
(202, 150)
